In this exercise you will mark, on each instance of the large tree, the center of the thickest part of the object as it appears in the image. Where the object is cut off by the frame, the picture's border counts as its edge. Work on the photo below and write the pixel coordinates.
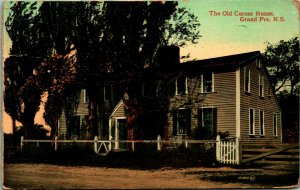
(21, 93)
(282, 62)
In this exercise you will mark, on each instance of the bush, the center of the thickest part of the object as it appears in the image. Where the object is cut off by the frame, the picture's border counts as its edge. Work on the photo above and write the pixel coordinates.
(144, 158)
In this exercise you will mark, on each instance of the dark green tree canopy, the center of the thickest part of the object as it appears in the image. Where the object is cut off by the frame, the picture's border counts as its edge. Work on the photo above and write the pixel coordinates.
(282, 62)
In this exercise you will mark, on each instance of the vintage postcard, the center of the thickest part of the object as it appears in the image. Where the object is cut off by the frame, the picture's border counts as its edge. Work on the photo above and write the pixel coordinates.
(185, 94)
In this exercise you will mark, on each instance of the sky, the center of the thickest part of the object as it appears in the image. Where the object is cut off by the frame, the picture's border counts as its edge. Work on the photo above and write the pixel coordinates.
(227, 27)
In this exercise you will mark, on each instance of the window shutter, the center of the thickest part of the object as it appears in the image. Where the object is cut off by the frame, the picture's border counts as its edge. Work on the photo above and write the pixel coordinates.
(200, 118)
(215, 114)
(174, 122)
(188, 121)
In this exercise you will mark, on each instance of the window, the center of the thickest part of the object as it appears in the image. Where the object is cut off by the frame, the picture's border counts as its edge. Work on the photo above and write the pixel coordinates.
(269, 91)
(261, 123)
(181, 85)
(275, 124)
(207, 119)
(251, 121)
(247, 79)
(85, 96)
(182, 121)
(207, 82)
(261, 85)
(108, 92)
(258, 62)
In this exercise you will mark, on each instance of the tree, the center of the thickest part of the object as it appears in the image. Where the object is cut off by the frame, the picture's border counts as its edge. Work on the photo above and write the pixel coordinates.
(21, 93)
(282, 62)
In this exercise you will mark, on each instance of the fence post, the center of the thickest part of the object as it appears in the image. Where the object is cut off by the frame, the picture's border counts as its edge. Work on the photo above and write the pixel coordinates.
(95, 144)
(132, 145)
(109, 145)
(158, 143)
(218, 148)
(22, 142)
(37, 143)
(238, 151)
(186, 144)
(55, 143)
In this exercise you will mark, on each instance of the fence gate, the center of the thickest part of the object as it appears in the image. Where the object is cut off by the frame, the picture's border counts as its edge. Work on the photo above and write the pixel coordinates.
(228, 151)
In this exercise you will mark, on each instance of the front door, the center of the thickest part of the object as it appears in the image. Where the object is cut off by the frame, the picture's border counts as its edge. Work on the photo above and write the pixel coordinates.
(120, 133)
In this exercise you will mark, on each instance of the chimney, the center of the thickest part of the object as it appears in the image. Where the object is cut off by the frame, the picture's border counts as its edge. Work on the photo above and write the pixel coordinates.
(168, 58)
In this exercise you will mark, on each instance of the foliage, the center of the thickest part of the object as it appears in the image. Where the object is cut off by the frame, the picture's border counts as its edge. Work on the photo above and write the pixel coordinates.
(282, 62)
(63, 42)
(21, 93)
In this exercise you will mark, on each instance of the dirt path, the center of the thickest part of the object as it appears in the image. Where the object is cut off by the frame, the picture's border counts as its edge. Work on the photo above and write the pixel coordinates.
(45, 176)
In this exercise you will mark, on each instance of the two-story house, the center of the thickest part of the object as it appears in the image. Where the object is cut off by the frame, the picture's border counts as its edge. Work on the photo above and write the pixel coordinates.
(230, 93)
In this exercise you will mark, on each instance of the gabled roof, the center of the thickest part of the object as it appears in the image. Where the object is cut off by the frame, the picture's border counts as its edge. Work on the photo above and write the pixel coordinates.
(225, 61)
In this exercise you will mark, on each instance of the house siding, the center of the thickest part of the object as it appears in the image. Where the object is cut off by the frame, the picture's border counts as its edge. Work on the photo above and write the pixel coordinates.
(267, 104)
(223, 98)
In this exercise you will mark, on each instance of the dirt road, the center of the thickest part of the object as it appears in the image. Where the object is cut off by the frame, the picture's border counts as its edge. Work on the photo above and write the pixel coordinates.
(45, 176)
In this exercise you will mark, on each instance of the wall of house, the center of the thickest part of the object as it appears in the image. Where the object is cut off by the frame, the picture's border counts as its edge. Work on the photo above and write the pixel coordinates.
(82, 111)
(252, 100)
(223, 98)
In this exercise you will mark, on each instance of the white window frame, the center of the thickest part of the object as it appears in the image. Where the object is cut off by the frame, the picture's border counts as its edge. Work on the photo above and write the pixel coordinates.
(253, 124)
(258, 62)
(261, 122)
(212, 85)
(249, 80)
(275, 127)
(261, 83)
(84, 96)
(177, 124)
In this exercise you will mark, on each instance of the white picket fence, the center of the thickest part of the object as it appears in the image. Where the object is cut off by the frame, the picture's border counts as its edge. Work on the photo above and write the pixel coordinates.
(228, 151)
(105, 146)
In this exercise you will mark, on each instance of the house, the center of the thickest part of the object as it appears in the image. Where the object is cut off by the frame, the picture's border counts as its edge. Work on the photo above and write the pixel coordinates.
(225, 94)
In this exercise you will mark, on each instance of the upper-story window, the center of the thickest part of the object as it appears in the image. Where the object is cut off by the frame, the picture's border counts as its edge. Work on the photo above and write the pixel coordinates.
(108, 92)
(85, 96)
(247, 79)
(261, 85)
(207, 82)
(258, 62)
(181, 85)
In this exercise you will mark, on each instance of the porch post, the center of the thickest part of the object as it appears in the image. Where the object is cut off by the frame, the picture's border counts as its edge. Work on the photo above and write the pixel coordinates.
(109, 134)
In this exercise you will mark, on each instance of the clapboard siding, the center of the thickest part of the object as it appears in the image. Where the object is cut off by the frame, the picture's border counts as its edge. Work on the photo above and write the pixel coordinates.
(223, 98)
(62, 131)
(119, 110)
(268, 104)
